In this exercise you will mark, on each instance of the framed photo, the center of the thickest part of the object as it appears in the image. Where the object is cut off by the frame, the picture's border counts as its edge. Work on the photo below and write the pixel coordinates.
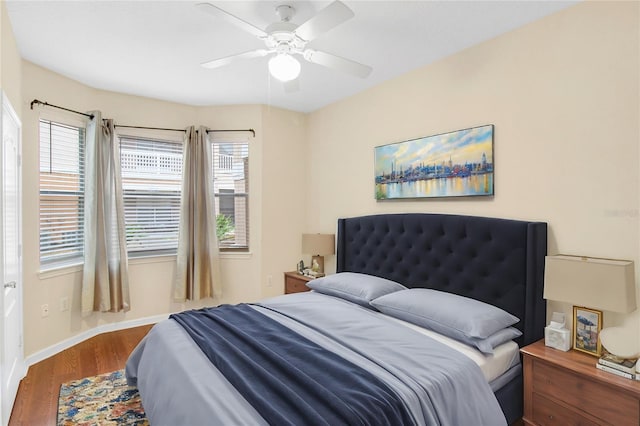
(587, 324)
(454, 164)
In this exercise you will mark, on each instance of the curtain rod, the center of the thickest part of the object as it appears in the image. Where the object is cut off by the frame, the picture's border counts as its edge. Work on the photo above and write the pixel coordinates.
(182, 130)
(234, 130)
(35, 101)
(150, 128)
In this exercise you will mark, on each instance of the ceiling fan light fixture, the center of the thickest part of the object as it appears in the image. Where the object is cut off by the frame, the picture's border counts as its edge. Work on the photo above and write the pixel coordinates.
(284, 67)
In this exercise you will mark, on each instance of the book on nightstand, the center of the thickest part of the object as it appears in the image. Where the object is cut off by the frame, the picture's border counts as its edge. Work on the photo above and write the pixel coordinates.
(615, 371)
(616, 365)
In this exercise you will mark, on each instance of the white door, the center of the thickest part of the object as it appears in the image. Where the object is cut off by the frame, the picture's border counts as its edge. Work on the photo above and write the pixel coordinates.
(12, 368)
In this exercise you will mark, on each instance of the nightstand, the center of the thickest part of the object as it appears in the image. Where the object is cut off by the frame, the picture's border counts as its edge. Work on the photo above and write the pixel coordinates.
(566, 388)
(295, 282)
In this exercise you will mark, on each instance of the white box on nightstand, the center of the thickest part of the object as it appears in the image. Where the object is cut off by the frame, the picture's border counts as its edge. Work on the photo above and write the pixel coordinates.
(557, 338)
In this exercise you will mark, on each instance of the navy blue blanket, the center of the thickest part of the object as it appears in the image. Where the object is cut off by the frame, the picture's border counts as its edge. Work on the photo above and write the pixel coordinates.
(287, 378)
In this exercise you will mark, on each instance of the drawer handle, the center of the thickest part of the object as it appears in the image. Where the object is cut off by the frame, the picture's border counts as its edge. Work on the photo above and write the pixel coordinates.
(550, 417)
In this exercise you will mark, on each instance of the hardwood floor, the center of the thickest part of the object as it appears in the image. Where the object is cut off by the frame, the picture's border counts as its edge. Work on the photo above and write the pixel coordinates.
(37, 400)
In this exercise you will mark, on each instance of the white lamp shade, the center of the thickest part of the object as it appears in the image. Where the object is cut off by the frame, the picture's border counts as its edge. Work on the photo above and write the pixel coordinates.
(284, 67)
(605, 284)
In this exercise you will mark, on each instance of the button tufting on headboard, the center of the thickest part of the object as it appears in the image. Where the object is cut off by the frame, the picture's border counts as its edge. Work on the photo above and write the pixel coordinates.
(497, 261)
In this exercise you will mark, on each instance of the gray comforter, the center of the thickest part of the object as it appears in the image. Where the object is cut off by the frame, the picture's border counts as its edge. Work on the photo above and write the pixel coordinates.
(439, 386)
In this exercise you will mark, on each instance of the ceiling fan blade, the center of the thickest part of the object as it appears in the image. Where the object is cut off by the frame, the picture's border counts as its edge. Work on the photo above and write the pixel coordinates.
(232, 19)
(228, 59)
(291, 86)
(329, 17)
(336, 62)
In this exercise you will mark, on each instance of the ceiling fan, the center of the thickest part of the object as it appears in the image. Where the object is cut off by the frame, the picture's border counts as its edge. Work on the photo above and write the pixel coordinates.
(285, 39)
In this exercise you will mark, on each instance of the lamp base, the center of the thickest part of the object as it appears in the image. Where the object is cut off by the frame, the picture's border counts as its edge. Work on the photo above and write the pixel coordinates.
(317, 264)
(620, 342)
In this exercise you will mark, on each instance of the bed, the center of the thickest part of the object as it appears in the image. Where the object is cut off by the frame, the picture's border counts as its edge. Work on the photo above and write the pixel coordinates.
(498, 262)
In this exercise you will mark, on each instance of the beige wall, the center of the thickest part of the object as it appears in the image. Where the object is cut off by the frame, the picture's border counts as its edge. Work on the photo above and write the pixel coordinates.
(563, 95)
(282, 209)
(10, 62)
(244, 274)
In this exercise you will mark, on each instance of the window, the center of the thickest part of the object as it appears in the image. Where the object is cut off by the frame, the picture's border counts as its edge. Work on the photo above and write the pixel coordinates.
(61, 194)
(231, 190)
(151, 185)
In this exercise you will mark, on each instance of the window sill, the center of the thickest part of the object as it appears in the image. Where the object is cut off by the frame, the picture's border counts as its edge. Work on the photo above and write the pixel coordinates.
(58, 271)
(141, 260)
(77, 267)
(236, 255)
(172, 257)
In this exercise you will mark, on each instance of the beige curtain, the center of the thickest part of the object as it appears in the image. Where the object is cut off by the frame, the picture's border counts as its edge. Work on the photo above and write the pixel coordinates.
(105, 278)
(197, 271)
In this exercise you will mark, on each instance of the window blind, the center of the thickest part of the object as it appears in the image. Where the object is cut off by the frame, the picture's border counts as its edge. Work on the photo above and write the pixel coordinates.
(151, 183)
(61, 193)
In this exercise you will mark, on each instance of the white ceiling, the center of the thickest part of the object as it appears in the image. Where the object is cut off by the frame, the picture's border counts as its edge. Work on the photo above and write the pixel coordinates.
(154, 48)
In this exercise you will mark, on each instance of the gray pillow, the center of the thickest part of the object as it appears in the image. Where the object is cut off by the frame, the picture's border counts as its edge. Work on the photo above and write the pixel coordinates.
(487, 345)
(356, 288)
(449, 314)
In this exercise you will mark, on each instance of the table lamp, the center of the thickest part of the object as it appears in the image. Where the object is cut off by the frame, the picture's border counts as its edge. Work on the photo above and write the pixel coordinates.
(318, 245)
(603, 284)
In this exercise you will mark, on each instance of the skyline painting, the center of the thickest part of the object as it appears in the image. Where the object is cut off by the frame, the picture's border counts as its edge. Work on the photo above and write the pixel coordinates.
(454, 164)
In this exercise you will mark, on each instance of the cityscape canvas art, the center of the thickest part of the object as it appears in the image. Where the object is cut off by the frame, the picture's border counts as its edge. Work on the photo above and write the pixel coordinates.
(454, 164)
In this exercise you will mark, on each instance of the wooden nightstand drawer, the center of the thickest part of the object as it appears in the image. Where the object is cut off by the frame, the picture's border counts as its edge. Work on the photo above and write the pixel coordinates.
(566, 388)
(547, 413)
(295, 286)
(295, 283)
(609, 404)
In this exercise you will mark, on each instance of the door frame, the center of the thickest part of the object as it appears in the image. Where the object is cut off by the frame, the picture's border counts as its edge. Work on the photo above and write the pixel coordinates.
(7, 400)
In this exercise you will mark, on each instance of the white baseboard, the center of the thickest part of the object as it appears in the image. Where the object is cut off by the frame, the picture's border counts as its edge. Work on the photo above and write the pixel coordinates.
(104, 328)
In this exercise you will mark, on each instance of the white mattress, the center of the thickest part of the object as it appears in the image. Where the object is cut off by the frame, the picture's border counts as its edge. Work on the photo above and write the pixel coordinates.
(504, 356)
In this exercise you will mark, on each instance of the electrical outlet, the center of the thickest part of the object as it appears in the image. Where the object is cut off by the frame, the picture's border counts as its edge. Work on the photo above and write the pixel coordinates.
(64, 304)
(44, 310)
(269, 281)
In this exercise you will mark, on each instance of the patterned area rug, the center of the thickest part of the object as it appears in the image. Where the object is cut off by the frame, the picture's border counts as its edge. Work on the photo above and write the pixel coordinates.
(100, 400)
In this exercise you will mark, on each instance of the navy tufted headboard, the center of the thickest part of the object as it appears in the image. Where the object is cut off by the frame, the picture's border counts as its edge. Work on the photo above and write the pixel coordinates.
(497, 261)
